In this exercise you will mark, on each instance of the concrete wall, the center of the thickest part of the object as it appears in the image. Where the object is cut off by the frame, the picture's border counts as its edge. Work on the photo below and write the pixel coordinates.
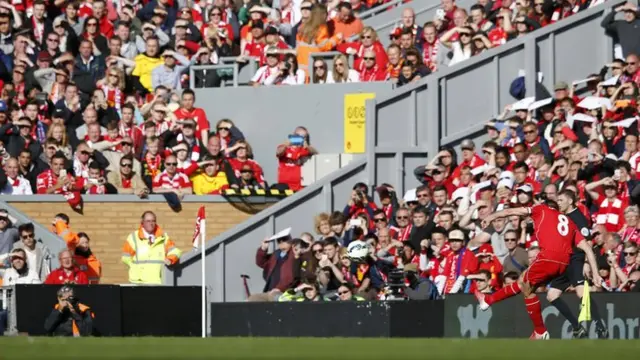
(108, 220)
(266, 115)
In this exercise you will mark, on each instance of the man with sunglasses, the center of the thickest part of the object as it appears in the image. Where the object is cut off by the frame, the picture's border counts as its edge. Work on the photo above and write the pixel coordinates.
(172, 181)
(127, 180)
(517, 258)
(574, 275)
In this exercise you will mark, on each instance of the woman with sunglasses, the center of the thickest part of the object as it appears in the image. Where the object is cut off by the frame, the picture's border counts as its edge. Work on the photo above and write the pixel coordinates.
(619, 275)
(320, 72)
(229, 136)
(113, 86)
(368, 40)
(342, 73)
(463, 48)
(345, 293)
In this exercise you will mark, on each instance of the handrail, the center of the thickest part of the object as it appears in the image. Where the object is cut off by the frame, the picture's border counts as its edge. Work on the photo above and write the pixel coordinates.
(53, 241)
(491, 53)
(293, 200)
(194, 68)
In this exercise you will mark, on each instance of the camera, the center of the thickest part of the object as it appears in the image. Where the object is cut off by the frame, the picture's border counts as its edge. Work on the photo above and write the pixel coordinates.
(287, 66)
(72, 300)
(394, 287)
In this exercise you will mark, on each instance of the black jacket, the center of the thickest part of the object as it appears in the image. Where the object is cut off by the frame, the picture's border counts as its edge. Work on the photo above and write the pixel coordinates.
(61, 323)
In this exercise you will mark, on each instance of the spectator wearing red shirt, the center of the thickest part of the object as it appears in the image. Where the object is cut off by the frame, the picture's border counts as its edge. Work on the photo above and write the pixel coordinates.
(187, 110)
(360, 203)
(291, 155)
(243, 158)
(469, 158)
(368, 41)
(67, 273)
(459, 263)
(100, 12)
(371, 71)
(254, 47)
(171, 180)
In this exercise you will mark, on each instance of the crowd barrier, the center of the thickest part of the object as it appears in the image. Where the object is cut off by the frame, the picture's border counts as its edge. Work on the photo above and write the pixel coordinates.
(119, 310)
(334, 319)
(509, 319)
(176, 311)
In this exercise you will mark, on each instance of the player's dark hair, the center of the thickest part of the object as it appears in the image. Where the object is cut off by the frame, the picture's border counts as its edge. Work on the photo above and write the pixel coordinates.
(552, 204)
(570, 194)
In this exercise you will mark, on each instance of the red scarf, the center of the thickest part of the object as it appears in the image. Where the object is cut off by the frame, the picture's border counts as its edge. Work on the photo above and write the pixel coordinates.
(430, 54)
(153, 164)
(56, 93)
(403, 234)
(113, 96)
(38, 31)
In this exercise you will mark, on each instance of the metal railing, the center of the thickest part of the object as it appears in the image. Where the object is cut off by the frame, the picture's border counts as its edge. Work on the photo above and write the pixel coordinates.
(7, 296)
(381, 8)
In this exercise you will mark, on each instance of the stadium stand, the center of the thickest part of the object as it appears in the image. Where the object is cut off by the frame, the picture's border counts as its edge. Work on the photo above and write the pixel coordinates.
(404, 114)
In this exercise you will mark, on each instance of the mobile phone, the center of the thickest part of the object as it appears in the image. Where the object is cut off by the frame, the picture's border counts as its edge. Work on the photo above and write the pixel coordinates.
(296, 140)
(63, 173)
(440, 14)
(354, 222)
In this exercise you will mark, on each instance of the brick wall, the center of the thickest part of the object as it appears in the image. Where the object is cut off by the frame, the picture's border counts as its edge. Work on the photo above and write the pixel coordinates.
(108, 224)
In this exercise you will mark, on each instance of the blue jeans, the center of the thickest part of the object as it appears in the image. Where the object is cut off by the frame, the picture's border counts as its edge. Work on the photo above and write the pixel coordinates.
(3, 321)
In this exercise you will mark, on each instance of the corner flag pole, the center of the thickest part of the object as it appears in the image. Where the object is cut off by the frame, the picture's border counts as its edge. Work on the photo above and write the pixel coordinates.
(204, 283)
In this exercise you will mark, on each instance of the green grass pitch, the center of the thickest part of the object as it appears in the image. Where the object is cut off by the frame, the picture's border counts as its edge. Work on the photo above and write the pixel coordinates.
(317, 348)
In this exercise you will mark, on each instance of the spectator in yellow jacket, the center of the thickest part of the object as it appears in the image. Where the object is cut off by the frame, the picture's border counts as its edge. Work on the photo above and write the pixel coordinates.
(146, 62)
(61, 228)
(210, 180)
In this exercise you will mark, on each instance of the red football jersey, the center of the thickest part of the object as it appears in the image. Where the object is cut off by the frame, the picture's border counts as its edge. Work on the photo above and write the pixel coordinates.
(556, 234)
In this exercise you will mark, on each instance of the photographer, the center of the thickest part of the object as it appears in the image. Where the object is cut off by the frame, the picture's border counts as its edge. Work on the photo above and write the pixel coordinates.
(289, 73)
(418, 288)
(69, 317)
(360, 203)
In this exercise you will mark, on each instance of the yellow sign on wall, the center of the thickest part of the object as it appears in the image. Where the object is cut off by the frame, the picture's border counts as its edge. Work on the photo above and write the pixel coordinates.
(354, 122)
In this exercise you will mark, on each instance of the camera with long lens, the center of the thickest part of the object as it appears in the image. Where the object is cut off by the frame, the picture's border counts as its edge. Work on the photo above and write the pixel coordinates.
(394, 287)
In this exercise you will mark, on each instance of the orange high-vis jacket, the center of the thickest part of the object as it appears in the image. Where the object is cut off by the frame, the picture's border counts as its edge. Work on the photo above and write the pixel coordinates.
(323, 42)
(62, 229)
(91, 266)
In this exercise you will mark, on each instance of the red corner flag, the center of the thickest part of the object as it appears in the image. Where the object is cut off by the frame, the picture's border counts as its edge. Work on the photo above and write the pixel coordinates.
(199, 230)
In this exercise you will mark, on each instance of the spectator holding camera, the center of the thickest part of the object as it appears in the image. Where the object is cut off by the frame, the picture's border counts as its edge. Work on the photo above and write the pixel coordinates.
(292, 154)
(289, 73)
(360, 203)
(69, 317)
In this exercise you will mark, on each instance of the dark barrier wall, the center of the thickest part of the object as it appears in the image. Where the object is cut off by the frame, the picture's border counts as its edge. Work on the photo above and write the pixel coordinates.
(119, 311)
(509, 318)
(334, 319)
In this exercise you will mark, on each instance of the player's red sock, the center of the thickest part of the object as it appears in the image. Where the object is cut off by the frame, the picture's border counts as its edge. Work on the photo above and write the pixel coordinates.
(535, 313)
(504, 293)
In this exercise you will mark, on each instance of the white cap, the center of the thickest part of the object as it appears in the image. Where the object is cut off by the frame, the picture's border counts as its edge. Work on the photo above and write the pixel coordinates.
(460, 193)
(525, 188)
(506, 182)
(410, 196)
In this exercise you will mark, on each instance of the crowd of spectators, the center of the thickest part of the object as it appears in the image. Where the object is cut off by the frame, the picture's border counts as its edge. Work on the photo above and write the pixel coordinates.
(580, 147)
(416, 50)
(26, 260)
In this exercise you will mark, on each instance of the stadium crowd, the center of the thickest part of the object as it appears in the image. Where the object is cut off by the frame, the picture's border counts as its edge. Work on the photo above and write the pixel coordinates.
(579, 147)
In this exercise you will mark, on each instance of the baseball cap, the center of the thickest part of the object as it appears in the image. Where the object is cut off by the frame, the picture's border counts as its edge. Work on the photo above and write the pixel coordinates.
(45, 56)
(525, 188)
(485, 250)
(456, 235)
(271, 30)
(467, 144)
(561, 85)
(257, 24)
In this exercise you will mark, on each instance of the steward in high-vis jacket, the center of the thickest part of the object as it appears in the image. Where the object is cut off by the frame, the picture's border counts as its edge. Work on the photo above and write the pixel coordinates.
(147, 250)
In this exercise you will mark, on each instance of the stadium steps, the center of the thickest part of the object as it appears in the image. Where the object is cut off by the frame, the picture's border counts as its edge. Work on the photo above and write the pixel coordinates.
(403, 130)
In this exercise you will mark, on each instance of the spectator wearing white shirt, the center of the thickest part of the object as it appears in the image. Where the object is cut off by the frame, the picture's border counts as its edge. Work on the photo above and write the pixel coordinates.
(268, 72)
(341, 72)
(169, 74)
(38, 256)
(19, 272)
(16, 185)
(289, 73)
